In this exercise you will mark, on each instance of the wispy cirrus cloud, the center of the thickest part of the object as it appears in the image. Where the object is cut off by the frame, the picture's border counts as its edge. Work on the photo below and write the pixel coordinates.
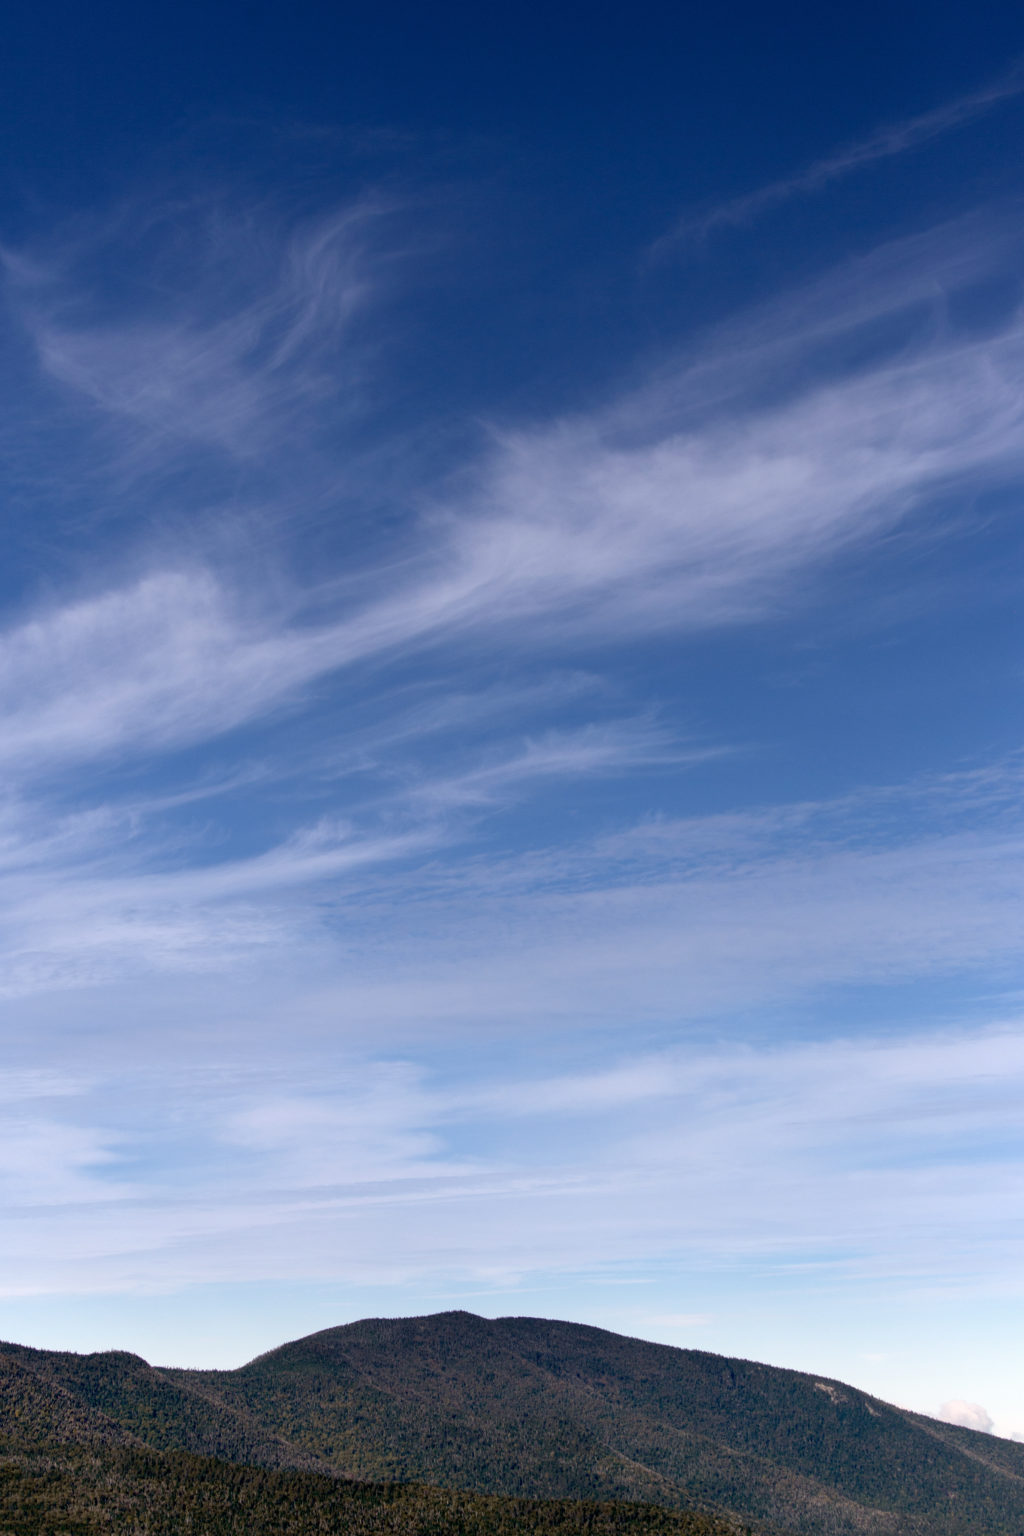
(234, 332)
(614, 748)
(168, 659)
(407, 925)
(707, 528)
(883, 144)
(178, 657)
(46, 1163)
(859, 1158)
(564, 537)
(686, 507)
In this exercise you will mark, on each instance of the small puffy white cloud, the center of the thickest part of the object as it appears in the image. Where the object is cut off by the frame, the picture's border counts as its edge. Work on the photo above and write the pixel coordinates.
(967, 1415)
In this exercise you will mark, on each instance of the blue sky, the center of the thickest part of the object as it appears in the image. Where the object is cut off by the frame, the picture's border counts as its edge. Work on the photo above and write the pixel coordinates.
(510, 675)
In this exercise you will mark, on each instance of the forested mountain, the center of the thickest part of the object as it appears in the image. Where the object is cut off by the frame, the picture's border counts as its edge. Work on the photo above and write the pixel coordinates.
(116, 1398)
(527, 1409)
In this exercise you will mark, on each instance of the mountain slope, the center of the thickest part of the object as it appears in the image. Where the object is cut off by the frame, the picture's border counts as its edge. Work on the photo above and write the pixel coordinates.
(522, 1407)
(35, 1410)
(116, 1398)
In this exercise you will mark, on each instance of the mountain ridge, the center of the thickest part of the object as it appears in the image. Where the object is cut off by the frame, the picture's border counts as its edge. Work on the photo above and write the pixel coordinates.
(538, 1408)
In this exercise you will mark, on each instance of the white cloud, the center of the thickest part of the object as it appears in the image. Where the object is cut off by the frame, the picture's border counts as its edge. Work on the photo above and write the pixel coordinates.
(885, 143)
(252, 329)
(669, 920)
(576, 531)
(569, 535)
(47, 1163)
(968, 1415)
(376, 1129)
(852, 1159)
(700, 501)
(141, 668)
(592, 750)
(687, 504)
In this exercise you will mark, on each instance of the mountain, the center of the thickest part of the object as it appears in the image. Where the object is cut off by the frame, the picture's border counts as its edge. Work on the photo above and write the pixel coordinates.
(120, 1399)
(92, 1445)
(528, 1408)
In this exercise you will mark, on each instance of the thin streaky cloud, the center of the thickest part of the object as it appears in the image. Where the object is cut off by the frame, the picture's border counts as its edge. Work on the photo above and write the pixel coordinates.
(682, 921)
(887, 142)
(730, 1156)
(568, 532)
(592, 750)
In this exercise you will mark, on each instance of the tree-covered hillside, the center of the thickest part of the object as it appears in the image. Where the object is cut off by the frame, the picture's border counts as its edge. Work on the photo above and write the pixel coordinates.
(106, 1491)
(524, 1405)
(524, 1408)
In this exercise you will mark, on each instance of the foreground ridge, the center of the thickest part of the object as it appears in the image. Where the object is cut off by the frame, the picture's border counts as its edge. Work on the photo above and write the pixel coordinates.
(85, 1493)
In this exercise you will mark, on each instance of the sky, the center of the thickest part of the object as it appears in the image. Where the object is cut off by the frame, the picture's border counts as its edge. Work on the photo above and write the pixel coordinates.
(510, 679)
